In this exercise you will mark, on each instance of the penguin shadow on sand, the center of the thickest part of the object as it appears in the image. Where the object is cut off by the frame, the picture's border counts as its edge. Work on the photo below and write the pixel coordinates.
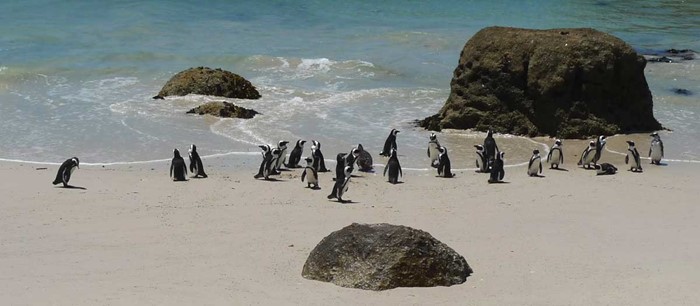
(71, 187)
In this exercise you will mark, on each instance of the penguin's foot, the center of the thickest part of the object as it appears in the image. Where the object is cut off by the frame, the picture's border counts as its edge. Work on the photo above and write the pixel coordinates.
(257, 176)
(331, 196)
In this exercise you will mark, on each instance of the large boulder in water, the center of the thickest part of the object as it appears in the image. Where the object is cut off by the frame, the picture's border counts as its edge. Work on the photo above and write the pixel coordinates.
(224, 110)
(211, 82)
(569, 83)
(384, 256)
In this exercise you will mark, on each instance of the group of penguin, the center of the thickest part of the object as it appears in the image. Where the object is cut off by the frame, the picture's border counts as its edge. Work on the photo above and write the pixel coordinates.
(489, 160)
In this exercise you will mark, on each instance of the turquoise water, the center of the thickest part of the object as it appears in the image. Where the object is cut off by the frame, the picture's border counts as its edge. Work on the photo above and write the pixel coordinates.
(76, 77)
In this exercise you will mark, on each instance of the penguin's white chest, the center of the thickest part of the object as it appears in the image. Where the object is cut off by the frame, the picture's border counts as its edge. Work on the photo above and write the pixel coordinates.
(534, 167)
(556, 155)
(311, 177)
(656, 151)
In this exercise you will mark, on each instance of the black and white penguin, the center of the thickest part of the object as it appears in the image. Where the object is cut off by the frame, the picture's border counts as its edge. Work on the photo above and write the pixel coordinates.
(66, 170)
(497, 171)
(390, 143)
(534, 167)
(282, 146)
(481, 162)
(352, 157)
(394, 168)
(342, 186)
(490, 148)
(632, 158)
(178, 169)
(656, 151)
(196, 166)
(605, 169)
(588, 155)
(433, 150)
(444, 168)
(555, 157)
(364, 160)
(319, 162)
(264, 170)
(310, 174)
(295, 156)
(599, 145)
(339, 175)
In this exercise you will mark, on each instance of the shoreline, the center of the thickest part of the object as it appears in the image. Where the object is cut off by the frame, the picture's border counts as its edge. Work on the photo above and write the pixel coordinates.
(134, 237)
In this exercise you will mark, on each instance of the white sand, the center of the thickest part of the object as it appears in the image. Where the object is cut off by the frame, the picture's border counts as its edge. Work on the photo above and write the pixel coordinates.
(133, 237)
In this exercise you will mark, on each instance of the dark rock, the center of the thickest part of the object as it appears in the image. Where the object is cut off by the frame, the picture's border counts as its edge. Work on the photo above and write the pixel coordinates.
(662, 59)
(542, 82)
(224, 110)
(384, 256)
(212, 82)
(682, 92)
(158, 98)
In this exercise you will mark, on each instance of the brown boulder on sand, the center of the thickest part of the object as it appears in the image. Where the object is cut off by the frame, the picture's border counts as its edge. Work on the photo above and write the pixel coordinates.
(569, 83)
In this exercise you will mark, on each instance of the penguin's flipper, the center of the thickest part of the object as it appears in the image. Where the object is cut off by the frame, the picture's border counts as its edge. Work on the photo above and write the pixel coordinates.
(662, 148)
(386, 168)
(400, 172)
(649, 151)
(627, 159)
(303, 175)
(549, 155)
(172, 166)
(540, 168)
(561, 156)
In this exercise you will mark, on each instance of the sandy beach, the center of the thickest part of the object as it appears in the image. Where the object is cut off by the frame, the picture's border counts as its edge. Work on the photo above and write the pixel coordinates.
(134, 237)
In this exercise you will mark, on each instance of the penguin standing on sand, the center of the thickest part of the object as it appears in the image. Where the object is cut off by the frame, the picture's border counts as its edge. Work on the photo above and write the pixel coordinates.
(178, 169)
(339, 175)
(599, 145)
(295, 156)
(443, 166)
(282, 146)
(66, 170)
(534, 167)
(265, 165)
(341, 186)
(632, 158)
(497, 171)
(656, 151)
(390, 143)
(481, 162)
(555, 157)
(394, 168)
(490, 148)
(310, 174)
(605, 169)
(319, 162)
(196, 166)
(352, 157)
(587, 155)
(364, 160)
(433, 150)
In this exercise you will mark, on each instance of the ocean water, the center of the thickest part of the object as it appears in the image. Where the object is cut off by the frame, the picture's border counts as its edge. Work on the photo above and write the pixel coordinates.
(77, 77)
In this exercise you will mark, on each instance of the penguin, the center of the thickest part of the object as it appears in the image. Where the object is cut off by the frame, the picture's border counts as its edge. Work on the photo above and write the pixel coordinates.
(497, 171)
(394, 168)
(605, 169)
(656, 150)
(196, 166)
(481, 163)
(364, 160)
(632, 158)
(319, 162)
(443, 165)
(66, 170)
(282, 146)
(339, 175)
(310, 174)
(295, 156)
(264, 170)
(433, 152)
(178, 169)
(534, 167)
(490, 148)
(390, 143)
(352, 157)
(599, 145)
(342, 185)
(587, 155)
(555, 157)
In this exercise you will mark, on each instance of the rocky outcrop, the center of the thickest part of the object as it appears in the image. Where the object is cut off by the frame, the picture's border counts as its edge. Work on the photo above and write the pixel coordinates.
(211, 82)
(569, 83)
(224, 110)
(384, 256)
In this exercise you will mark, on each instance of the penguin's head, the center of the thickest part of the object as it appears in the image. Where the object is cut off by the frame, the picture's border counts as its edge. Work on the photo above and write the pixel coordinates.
(433, 137)
(655, 135)
(193, 148)
(282, 144)
(535, 152)
(76, 161)
(359, 147)
(489, 133)
(394, 132)
(316, 144)
(479, 148)
(591, 144)
(442, 149)
(276, 152)
(340, 158)
(558, 142)
(308, 160)
(502, 154)
(265, 148)
(630, 143)
(300, 143)
(176, 153)
(355, 152)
